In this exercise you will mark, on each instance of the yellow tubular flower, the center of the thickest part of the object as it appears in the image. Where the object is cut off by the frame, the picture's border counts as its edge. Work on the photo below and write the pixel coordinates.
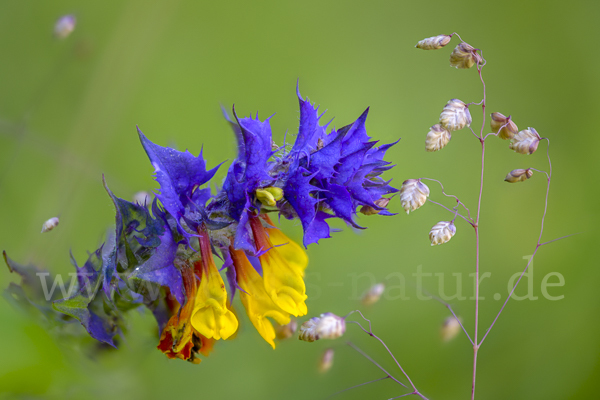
(211, 317)
(289, 250)
(283, 282)
(257, 302)
(176, 340)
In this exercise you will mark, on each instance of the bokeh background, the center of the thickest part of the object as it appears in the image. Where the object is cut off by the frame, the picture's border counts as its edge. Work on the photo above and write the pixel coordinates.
(68, 110)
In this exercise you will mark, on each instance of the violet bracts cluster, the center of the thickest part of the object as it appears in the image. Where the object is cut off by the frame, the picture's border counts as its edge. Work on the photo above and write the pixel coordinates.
(161, 255)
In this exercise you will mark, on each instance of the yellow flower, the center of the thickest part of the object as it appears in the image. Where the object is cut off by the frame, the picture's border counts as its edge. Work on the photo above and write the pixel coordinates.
(176, 339)
(211, 317)
(282, 278)
(289, 250)
(257, 302)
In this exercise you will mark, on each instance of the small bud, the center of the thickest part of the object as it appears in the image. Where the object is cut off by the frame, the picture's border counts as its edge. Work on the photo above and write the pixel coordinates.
(503, 126)
(518, 175)
(326, 361)
(330, 326)
(308, 330)
(464, 56)
(382, 202)
(437, 138)
(434, 42)
(450, 329)
(455, 115)
(50, 224)
(525, 142)
(286, 331)
(269, 196)
(413, 194)
(64, 26)
(442, 232)
(141, 198)
(373, 295)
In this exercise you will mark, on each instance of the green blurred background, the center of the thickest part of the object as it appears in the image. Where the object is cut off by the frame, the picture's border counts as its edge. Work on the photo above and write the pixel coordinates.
(68, 112)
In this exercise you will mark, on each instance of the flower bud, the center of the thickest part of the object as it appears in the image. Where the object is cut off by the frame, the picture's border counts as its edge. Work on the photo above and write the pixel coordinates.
(413, 194)
(450, 329)
(326, 361)
(525, 142)
(518, 175)
(442, 232)
(64, 26)
(330, 326)
(373, 295)
(503, 126)
(434, 42)
(308, 330)
(437, 138)
(455, 115)
(286, 331)
(50, 224)
(382, 202)
(141, 198)
(269, 196)
(464, 56)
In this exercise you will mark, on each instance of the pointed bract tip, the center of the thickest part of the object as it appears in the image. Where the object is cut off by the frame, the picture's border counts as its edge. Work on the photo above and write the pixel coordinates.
(6, 260)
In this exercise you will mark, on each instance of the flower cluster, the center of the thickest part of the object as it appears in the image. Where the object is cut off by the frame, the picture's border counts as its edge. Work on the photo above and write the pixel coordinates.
(162, 255)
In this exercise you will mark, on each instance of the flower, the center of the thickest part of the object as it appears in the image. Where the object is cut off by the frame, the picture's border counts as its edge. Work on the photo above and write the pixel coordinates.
(437, 138)
(179, 339)
(450, 328)
(330, 326)
(413, 194)
(455, 116)
(211, 316)
(442, 232)
(434, 42)
(525, 142)
(503, 126)
(64, 26)
(373, 295)
(50, 224)
(286, 331)
(162, 253)
(519, 175)
(308, 330)
(326, 361)
(464, 56)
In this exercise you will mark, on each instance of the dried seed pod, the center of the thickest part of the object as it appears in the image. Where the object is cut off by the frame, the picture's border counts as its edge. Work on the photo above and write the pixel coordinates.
(413, 194)
(64, 26)
(326, 361)
(286, 331)
(434, 42)
(308, 330)
(455, 115)
(442, 232)
(450, 329)
(373, 295)
(50, 224)
(330, 326)
(525, 141)
(464, 56)
(503, 126)
(437, 138)
(518, 175)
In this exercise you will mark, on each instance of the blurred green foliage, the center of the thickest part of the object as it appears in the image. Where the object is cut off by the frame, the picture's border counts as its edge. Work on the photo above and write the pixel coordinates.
(68, 112)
